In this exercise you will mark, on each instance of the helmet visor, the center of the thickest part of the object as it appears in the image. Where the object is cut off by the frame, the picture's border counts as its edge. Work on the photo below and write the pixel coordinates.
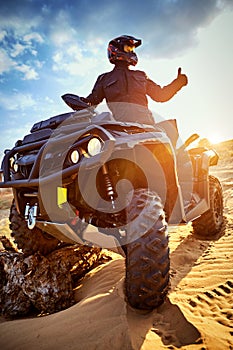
(129, 48)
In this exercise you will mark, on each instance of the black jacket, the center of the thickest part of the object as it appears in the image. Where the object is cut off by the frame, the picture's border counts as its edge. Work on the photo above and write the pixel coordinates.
(126, 93)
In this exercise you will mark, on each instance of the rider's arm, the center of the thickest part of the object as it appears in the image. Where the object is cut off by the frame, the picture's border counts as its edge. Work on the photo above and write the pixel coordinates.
(97, 94)
(163, 94)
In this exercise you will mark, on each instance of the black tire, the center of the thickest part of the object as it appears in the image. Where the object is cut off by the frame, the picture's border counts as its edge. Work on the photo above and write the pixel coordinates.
(30, 241)
(210, 223)
(147, 257)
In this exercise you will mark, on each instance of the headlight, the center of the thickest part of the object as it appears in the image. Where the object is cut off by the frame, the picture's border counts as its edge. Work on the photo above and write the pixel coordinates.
(14, 165)
(94, 146)
(12, 160)
(74, 157)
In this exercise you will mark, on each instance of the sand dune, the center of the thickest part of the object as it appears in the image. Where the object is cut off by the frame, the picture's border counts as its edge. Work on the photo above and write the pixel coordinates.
(198, 312)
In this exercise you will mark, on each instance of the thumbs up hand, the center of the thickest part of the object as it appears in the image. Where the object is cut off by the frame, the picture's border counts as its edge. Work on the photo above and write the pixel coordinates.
(182, 77)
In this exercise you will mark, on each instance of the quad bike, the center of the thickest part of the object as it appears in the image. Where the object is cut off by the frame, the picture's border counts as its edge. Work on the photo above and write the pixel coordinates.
(85, 177)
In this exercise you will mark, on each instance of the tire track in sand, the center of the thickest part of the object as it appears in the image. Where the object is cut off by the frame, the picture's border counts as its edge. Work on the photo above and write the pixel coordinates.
(202, 285)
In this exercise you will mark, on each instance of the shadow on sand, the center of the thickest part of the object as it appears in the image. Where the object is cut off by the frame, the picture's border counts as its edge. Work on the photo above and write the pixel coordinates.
(168, 321)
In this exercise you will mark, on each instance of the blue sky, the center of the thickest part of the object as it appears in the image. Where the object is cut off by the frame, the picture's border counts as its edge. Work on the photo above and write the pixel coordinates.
(48, 48)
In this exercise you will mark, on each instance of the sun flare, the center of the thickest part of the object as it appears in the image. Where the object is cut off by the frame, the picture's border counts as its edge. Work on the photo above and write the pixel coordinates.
(215, 138)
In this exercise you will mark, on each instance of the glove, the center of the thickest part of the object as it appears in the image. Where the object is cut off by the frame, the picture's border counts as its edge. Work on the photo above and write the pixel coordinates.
(84, 99)
(182, 78)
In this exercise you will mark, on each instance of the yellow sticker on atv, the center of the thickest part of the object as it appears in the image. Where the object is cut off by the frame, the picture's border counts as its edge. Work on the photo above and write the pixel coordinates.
(61, 196)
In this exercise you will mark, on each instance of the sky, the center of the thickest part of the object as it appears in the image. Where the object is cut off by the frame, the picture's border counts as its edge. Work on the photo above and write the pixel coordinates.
(48, 48)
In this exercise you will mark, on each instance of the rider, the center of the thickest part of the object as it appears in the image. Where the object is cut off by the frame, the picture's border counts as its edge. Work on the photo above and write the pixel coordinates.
(125, 90)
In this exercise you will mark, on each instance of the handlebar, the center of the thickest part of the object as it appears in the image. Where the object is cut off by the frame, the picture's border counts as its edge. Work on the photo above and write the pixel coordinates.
(75, 102)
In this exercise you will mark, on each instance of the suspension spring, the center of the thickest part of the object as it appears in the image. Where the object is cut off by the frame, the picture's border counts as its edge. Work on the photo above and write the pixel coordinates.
(108, 184)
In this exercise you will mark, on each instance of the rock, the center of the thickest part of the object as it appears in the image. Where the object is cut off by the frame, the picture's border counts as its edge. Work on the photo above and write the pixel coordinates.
(40, 283)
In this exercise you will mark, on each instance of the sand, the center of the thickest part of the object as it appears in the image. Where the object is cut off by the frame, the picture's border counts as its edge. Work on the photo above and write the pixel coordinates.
(197, 314)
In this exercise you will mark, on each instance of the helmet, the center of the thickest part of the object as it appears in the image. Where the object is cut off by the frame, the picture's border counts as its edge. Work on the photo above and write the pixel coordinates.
(117, 49)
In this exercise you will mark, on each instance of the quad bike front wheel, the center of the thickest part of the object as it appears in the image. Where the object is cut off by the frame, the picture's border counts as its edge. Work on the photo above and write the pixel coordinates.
(30, 241)
(209, 224)
(147, 255)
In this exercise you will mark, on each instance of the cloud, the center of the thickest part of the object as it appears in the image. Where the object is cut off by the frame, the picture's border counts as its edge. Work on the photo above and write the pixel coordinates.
(78, 59)
(17, 101)
(72, 37)
(33, 37)
(66, 42)
(61, 32)
(3, 33)
(6, 63)
(167, 27)
(29, 73)
(19, 22)
(17, 50)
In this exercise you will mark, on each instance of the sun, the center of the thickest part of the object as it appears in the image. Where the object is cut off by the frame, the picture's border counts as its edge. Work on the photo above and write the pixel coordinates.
(215, 138)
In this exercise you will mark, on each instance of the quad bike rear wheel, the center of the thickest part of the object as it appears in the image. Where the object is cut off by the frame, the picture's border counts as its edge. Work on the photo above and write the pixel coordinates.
(30, 241)
(147, 256)
(209, 224)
